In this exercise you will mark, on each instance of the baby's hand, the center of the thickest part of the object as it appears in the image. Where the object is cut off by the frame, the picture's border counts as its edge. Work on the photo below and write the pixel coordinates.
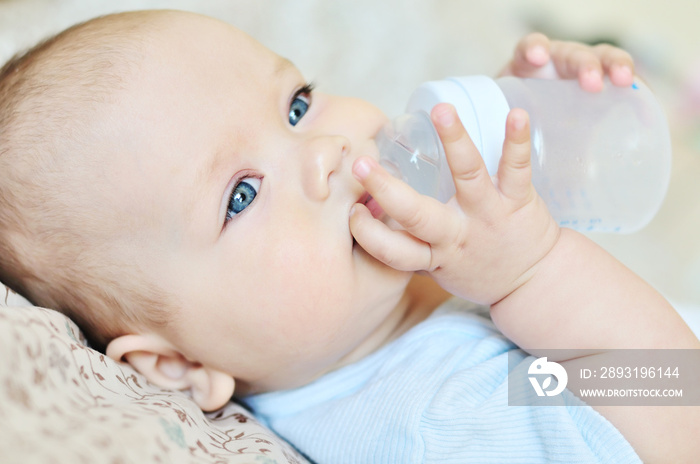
(537, 56)
(486, 241)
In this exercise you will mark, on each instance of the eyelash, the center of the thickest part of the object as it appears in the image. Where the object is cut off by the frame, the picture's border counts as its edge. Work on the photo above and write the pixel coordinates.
(306, 89)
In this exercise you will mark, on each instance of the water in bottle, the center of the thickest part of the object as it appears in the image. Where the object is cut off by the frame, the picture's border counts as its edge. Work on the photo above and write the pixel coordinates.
(601, 161)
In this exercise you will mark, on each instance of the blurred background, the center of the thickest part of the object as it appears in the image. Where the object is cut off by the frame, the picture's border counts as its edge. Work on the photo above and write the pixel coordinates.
(381, 50)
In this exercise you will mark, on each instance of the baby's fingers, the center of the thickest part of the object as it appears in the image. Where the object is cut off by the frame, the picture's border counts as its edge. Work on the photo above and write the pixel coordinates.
(531, 58)
(514, 169)
(472, 181)
(617, 63)
(418, 214)
(396, 249)
(574, 60)
(589, 64)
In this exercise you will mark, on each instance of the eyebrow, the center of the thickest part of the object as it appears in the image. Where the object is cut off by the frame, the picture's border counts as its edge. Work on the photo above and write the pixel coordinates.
(282, 65)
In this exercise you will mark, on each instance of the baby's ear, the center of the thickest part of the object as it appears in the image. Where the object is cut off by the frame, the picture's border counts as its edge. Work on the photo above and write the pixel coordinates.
(163, 365)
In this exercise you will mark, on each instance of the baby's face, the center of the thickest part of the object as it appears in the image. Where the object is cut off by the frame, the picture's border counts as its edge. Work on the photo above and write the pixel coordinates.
(238, 184)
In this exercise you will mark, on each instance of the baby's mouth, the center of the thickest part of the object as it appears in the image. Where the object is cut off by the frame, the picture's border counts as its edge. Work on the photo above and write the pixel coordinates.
(372, 205)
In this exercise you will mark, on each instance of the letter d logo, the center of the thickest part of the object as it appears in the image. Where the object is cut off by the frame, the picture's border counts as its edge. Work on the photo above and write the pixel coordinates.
(542, 366)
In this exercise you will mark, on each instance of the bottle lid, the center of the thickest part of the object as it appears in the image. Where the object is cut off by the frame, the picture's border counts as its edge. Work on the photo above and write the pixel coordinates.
(481, 106)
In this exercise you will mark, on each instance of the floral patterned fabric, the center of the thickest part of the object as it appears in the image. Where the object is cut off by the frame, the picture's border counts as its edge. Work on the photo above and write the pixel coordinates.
(62, 402)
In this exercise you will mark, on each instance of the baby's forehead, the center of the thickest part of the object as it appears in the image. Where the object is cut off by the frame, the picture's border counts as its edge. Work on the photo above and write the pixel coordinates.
(144, 138)
(209, 34)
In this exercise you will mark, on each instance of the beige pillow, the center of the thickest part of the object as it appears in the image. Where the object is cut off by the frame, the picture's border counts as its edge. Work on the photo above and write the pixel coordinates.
(62, 402)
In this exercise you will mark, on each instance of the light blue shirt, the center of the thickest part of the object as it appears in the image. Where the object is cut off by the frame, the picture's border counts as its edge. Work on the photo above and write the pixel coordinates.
(438, 394)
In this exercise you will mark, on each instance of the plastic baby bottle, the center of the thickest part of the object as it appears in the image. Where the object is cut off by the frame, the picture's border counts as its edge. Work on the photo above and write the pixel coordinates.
(601, 161)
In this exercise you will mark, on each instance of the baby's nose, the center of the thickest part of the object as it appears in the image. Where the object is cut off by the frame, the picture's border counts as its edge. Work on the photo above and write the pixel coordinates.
(323, 158)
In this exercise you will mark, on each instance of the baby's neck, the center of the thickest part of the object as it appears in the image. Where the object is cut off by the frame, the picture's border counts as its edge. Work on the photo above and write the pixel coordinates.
(426, 296)
(421, 298)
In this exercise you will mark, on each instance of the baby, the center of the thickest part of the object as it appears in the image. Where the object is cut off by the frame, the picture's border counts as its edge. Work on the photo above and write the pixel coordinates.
(183, 194)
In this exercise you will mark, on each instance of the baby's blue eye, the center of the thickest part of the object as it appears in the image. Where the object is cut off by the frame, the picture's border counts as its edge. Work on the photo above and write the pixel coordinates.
(298, 109)
(300, 104)
(242, 196)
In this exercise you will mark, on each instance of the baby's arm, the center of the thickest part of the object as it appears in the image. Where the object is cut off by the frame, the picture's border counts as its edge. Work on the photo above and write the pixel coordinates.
(496, 243)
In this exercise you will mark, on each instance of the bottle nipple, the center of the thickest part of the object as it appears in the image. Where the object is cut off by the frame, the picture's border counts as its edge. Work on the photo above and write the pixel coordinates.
(410, 149)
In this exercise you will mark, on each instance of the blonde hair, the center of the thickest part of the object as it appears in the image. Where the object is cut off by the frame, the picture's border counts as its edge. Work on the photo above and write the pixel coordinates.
(53, 249)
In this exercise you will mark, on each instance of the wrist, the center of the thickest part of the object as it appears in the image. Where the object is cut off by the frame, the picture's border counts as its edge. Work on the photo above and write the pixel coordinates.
(552, 239)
